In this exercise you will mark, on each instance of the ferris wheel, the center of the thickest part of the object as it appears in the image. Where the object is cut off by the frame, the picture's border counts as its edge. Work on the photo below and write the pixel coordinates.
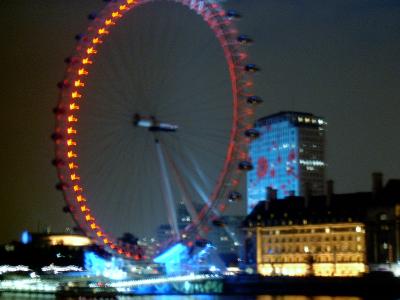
(153, 120)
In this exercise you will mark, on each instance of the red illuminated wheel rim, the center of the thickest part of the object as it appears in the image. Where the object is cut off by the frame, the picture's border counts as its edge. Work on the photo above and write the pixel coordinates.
(94, 148)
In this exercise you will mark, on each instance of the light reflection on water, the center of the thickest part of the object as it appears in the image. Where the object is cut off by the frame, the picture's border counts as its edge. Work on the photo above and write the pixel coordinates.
(17, 296)
(23, 296)
(266, 297)
(248, 297)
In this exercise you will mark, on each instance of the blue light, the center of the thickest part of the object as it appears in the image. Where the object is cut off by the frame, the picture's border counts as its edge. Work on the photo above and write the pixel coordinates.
(94, 263)
(275, 158)
(173, 258)
(172, 254)
(26, 237)
(98, 266)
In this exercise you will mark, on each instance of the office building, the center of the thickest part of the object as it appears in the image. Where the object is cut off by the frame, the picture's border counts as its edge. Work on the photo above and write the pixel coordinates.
(288, 156)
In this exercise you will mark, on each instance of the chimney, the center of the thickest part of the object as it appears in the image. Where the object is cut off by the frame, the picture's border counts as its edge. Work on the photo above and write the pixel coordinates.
(377, 182)
(271, 194)
(329, 192)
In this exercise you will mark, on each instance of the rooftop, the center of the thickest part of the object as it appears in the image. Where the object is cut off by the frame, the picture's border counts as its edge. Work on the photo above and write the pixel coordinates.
(296, 118)
(331, 208)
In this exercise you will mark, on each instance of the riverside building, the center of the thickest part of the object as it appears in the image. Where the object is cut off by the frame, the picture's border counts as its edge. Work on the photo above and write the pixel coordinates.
(326, 235)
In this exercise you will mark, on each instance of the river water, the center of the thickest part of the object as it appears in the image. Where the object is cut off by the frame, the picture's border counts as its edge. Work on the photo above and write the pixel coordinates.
(19, 296)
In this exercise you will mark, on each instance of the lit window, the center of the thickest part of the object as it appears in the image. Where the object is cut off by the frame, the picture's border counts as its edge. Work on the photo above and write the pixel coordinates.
(383, 217)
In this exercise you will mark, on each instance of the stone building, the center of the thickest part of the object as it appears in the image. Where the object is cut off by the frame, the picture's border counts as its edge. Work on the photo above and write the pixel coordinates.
(329, 235)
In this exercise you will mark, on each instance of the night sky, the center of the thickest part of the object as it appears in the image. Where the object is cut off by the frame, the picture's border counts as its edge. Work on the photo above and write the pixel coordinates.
(336, 59)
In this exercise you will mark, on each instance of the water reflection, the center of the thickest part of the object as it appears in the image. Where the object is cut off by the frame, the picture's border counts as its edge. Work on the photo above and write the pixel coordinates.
(25, 296)
(268, 297)
(22, 296)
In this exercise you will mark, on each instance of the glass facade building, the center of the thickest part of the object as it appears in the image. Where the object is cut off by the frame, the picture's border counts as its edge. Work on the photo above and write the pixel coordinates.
(288, 156)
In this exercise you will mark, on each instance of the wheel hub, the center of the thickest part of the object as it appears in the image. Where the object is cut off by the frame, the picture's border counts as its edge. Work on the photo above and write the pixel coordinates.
(153, 124)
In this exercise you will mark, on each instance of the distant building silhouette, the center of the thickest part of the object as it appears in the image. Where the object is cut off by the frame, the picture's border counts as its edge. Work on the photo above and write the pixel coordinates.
(37, 250)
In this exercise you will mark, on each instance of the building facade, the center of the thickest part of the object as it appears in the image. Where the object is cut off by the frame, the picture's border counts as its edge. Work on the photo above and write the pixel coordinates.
(336, 249)
(288, 156)
(326, 235)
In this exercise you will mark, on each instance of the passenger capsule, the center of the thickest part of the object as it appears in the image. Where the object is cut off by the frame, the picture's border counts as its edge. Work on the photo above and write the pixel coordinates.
(252, 133)
(71, 60)
(233, 14)
(66, 209)
(56, 136)
(77, 229)
(92, 16)
(58, 162)
(245, 165)
(61, 186)
(201, 243)
(244, 39)
(58, 110)
(218, 223)
(254, 100)
(63, 84)
(234, 196)
(251, 68)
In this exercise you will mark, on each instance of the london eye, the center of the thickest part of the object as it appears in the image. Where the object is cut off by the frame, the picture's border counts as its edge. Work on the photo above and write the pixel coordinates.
(153, 121)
